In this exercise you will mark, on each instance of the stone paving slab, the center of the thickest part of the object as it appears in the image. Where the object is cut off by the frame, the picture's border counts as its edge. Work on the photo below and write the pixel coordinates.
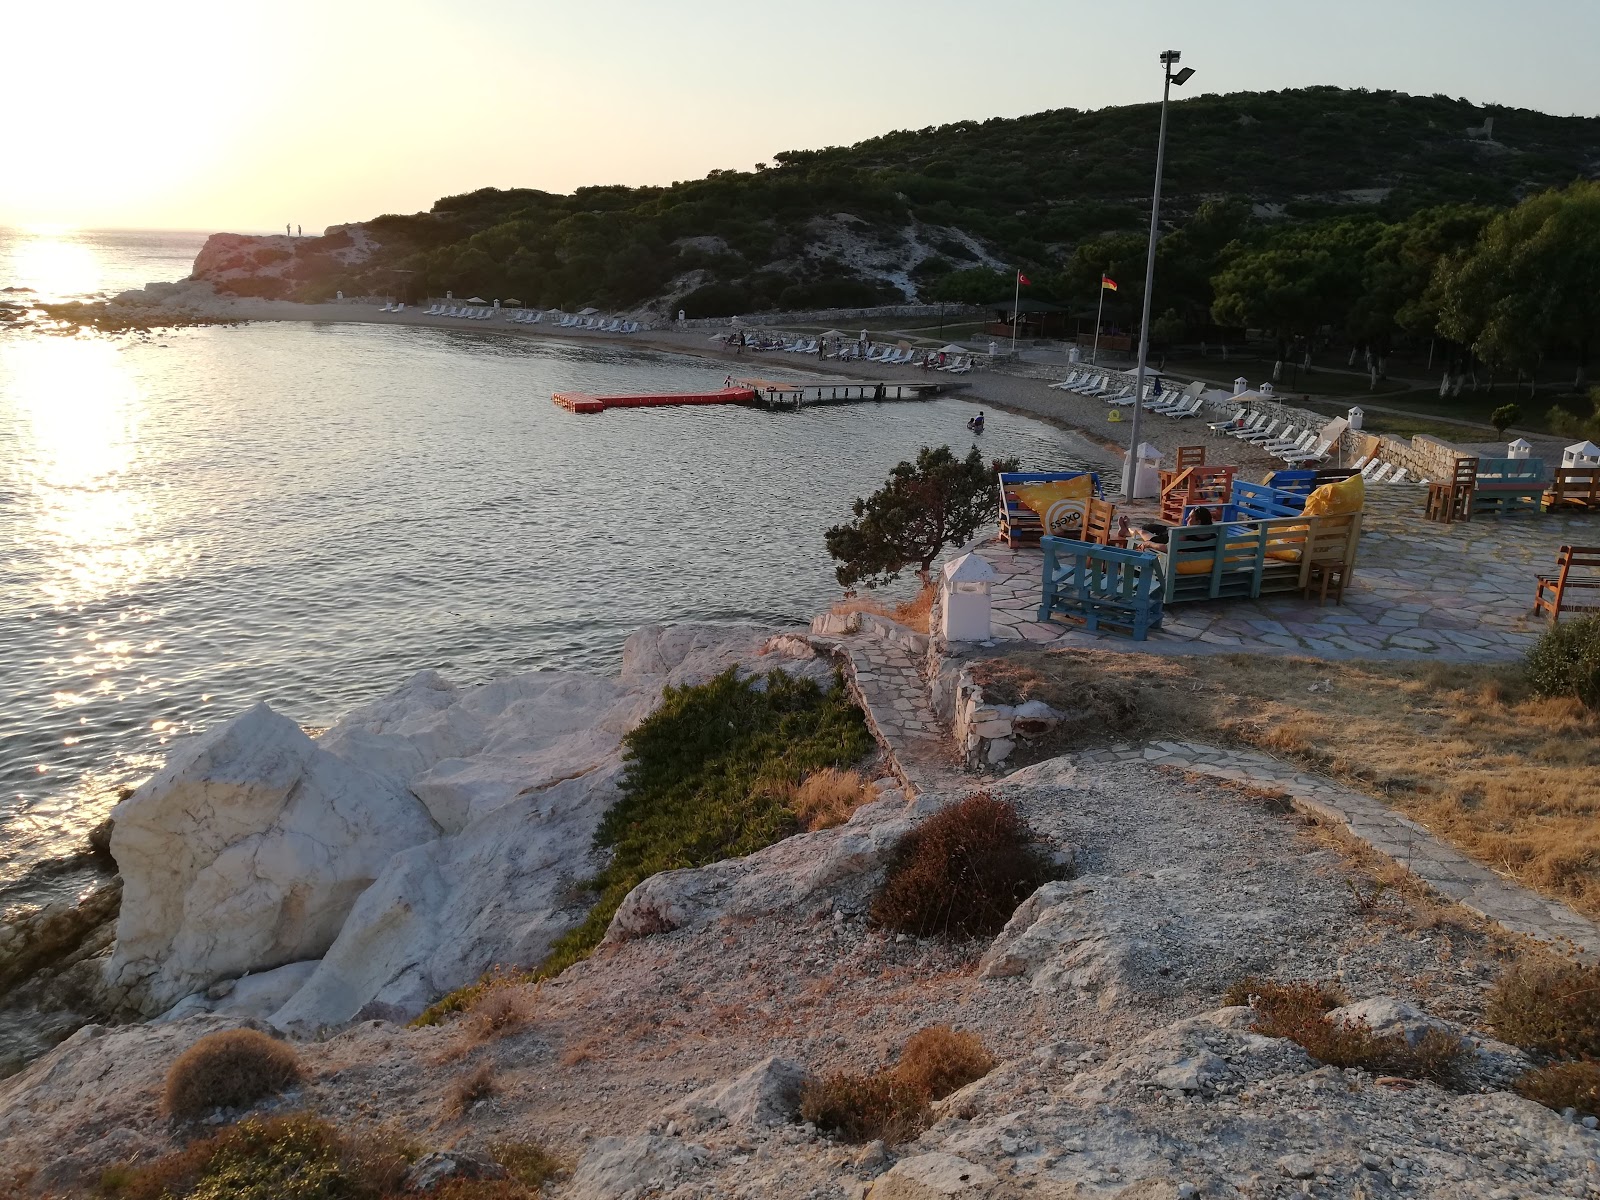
(1394, 835)
(1420, 590)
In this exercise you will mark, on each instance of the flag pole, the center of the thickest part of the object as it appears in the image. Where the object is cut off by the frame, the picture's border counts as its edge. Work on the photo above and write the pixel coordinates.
(1016, 302)
(1099, 312)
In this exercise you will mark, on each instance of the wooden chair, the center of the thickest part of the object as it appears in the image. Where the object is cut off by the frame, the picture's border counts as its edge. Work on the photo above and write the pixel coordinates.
(1189, 456)
(1330, 557)
(1573, 487)
(1100, 524)
(1550, 593)
(1019, 524)
(1451, 500)
(1194, 485)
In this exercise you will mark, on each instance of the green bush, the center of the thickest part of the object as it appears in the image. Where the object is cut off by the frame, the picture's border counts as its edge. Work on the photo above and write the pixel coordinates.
(708, 776)
(1565, 661)
(963, 871)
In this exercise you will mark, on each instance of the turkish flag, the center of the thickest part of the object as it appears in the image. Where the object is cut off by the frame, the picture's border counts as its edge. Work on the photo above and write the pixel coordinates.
(1024, 280)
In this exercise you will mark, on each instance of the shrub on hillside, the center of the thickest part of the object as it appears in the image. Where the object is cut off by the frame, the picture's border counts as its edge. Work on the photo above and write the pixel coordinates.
(1298, 1011)
(470, 1087)
(1565, 661)
(828, 797)
(231, 1069)
(939, 1060)
(1564, 1085)
(963, 871)
(892, 1103)
(1548, 1007)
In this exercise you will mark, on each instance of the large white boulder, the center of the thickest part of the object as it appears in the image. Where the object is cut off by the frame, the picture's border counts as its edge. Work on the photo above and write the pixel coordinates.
(246, 851)
(467, 752)
(498, 893)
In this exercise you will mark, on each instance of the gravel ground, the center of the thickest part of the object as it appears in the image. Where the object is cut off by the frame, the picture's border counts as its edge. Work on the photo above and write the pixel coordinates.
(1182, 886)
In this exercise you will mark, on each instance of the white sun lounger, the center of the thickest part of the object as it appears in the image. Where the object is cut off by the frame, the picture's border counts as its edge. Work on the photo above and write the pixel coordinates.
(1382, 473)
(1067, 383)
(1296, 457)
(1190, 408)
(1262, 433)
(1398, 477)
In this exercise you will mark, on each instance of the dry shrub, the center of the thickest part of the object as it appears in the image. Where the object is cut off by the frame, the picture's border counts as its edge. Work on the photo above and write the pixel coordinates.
(231, 1069)
(502, 1009)
(1548, 1007)
(963, 871)
(299, 1156)
(529, 1164)
(470, 1087)
(939, 1060)
(861, 1108)
(1298, 1011)
(830, 797)
(913, 613)
(892, 1104)
(1564, 1085)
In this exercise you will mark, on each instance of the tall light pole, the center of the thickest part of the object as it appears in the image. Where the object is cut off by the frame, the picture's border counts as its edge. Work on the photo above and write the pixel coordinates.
(1169, 59)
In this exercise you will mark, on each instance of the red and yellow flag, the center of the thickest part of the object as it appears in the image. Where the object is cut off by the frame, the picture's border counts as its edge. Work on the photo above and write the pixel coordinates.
(1108, 283)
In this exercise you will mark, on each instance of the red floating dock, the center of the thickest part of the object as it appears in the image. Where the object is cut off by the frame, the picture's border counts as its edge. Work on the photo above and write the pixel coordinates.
(582, 402)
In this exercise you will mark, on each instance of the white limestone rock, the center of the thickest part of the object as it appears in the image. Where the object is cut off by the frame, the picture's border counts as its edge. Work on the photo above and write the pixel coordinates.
(1065, 937)
(835, 867)
(617, 1168)
(766, 1094)
(443, 913)
(936, 1176)
(246, 851)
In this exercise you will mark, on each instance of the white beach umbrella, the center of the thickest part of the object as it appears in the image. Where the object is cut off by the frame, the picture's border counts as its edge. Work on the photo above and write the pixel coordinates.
(952, 348)
(475, 300)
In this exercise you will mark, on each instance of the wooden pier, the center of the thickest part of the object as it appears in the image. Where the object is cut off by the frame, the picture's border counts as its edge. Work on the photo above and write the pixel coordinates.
(790, 393)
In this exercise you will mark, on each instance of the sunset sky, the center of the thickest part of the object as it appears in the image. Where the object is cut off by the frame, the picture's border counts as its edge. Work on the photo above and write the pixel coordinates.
(185, 115)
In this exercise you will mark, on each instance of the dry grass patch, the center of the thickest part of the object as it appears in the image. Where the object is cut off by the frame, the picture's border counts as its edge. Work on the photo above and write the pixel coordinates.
(1548, 1007)
(893, 1103)
(830, 797)
(502, 1009)
(1509, 777)
(231, 1069)
(913, 613)
(1564, 1085)
(470, 1087)
(963, 871)
(1298, 1011)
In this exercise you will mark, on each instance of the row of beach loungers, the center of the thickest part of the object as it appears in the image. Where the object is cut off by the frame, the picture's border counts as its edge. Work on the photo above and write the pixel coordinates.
(1299, 447)
(1103, 386)
(872, 352)
(525, 316)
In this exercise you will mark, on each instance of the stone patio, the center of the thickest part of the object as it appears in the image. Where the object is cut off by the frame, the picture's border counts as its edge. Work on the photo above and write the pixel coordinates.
(1420, 590)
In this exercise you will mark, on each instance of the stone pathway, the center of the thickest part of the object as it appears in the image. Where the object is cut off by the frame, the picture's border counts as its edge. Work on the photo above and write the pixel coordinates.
(1441, 866)
(1420, 590)
(894, 696)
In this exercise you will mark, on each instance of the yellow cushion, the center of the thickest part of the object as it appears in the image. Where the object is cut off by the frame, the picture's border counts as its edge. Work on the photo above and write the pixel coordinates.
(1061, 503)
(1288, 549)
(1337, 499)
(1194, 566)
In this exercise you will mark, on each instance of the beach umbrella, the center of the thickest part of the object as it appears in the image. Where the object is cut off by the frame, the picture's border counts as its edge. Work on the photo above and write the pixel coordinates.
(513, 300)
(952, 348)
(587, 312)
(833, 333)
(475, 300)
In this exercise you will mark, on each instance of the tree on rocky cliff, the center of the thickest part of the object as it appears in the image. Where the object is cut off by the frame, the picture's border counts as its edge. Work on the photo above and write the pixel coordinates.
(938, 501)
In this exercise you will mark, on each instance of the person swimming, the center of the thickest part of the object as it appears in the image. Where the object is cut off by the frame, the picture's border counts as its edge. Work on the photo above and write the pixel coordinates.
(976, 423)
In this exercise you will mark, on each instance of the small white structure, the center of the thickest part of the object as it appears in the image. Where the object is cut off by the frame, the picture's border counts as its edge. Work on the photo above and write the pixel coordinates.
(1074, 355)
(338, 295)
(1266, 390)
(1521, 448)
(1355, 416)
(1147, 475)
(1240, 386)
(964, 599)
(1581, 454)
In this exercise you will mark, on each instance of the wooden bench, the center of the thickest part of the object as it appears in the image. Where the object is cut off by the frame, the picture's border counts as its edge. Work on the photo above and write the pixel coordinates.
(1101, 586)
(1250, 559)
(1182, 490)
(1573, 487)
(1019, 524)
(1508, 485)
(1550, 593)
(1258, 501)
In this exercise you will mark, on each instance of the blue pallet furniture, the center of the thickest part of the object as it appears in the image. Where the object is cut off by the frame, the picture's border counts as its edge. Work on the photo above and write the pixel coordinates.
(1238, 559)
(1509, 485)
(1019, 524)
(1101, 586)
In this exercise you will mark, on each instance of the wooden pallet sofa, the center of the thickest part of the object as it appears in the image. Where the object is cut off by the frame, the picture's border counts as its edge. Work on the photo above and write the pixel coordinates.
(1508, 485)
(1307, 481)
(1259, 557)
(1573, 487)
(1101, 586)
(1577, 569)
(1019, 524)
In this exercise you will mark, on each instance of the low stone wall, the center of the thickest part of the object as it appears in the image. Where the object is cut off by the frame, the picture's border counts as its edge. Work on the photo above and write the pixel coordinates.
(1423, 457)
(831, 624)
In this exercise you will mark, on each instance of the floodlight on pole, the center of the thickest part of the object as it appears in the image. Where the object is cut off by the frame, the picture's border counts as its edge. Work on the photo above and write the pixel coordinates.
(1169, 59)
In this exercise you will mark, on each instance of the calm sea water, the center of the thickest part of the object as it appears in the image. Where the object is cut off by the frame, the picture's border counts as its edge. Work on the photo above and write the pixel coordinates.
(307, 514)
